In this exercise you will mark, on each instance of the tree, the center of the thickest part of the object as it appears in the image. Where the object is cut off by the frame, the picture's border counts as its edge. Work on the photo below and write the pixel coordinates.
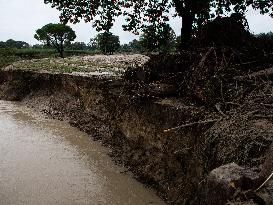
(92, 45)
(265, 41)
(2, 44)
(76, 46)
(133, 46)
(55, 35)
(178, 42)
(162, 39)
(141, 13)
(38, 46)
(14, 44)
(107, 42)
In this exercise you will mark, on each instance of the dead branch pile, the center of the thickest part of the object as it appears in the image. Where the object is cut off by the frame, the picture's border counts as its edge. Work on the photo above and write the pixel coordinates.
(208, 75)
(236, 89)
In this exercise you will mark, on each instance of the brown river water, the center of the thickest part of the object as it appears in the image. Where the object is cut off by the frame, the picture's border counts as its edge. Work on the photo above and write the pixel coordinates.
(48, 162)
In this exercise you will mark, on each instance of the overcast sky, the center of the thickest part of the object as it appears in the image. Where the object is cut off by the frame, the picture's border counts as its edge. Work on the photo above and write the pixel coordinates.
(20, 18)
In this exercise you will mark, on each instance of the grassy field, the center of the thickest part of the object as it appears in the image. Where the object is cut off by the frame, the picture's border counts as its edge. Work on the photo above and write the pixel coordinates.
(114, 65)
(9, 56)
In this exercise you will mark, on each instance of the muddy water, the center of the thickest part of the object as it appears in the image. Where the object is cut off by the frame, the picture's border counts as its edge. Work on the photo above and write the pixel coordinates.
(47, 162)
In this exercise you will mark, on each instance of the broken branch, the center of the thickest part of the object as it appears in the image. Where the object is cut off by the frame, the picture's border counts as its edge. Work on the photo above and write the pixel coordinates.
(191, 124)
(271, 175)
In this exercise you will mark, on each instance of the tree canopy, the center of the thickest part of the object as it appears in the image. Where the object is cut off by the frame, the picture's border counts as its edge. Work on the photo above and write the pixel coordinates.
(13, 44)
(162, 40)
(76, 46)
(106, 42)
(55, 35)
(142, 13)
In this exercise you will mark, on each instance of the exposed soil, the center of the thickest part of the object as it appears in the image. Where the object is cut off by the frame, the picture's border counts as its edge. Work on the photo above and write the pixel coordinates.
(182, 143)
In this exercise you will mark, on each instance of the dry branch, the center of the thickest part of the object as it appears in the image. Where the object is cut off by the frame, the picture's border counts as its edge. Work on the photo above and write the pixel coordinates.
(263, 73)
(264, 116)
(271, 175)
(204, 58)
(191, 124)
(267, 105)
(218, 108)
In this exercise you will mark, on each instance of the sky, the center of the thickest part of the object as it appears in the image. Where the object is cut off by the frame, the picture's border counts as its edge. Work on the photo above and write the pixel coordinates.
(19, 19)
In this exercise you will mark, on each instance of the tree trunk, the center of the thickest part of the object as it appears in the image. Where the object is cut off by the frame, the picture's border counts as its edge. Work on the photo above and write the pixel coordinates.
(186, 31)
(62, 54)
(62, 49)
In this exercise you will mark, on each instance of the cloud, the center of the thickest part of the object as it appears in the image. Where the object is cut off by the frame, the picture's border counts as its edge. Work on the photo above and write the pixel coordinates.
(259, 23)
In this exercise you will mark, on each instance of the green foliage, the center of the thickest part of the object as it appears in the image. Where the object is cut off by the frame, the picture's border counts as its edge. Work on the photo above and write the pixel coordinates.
(132, 47)
(143, 13)
(34, 53)
(265, 41)
(177, 42)
(79, 52)
(8, 56)
(13, 44)
(158, 39)
(107, 42)
(76, 46)
(38, 46)
(55, 35)
(135, 45)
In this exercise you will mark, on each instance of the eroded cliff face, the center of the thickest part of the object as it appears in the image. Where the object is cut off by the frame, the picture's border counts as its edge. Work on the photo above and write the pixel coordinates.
(134, 127)
(174, 161)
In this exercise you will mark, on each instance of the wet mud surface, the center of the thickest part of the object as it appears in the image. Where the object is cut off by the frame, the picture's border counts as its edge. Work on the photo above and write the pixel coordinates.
(46, 161)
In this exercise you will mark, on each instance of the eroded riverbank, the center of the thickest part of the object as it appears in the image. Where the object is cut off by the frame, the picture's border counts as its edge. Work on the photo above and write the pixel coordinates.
(45, 161)
(167, 142)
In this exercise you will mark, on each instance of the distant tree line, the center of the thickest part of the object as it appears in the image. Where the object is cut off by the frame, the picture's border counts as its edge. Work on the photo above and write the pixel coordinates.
(14, 44)
(60, 37)
(153, 39)
(265, 41)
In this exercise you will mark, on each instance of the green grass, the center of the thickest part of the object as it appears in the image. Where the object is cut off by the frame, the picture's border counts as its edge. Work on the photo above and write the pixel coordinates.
(47, 60)
(66, 65)
(55, 65)
(9, 56)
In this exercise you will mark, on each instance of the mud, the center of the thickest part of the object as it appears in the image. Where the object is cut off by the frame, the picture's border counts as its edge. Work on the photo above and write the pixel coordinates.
(46, 161)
